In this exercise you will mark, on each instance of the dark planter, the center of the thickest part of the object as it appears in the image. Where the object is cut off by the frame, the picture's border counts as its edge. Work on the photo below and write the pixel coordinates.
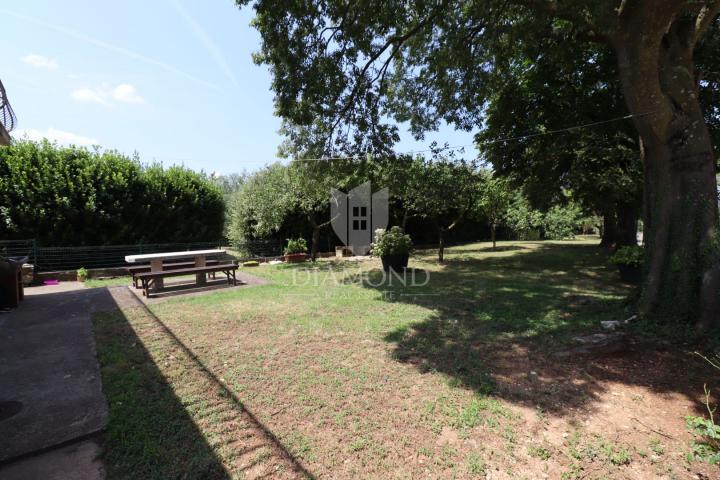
(630, 273)
(296, 257)
(395, 262)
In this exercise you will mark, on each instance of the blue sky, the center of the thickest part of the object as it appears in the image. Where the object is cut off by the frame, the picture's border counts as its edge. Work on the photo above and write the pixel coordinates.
(170, 79)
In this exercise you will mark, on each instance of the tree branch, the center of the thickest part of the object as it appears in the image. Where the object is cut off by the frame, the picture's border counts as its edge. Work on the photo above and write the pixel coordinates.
(705, 18)
(398, 41)
(587, 30)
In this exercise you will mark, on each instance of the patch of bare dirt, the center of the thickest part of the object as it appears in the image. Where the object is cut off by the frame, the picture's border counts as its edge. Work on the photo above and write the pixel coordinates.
(345, 407)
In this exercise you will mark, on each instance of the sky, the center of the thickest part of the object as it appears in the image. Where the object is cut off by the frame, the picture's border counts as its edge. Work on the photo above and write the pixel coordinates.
(172, 80)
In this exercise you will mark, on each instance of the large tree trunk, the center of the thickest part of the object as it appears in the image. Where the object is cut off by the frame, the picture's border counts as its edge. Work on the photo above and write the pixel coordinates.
(315, 241)
(609, 230)
(441, 245)
(681, 216)
(627, 224)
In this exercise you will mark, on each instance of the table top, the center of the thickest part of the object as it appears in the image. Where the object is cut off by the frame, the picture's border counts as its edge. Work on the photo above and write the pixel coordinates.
(168, 255)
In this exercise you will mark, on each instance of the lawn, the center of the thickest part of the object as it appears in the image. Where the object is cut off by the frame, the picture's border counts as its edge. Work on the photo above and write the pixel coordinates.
(332, 370)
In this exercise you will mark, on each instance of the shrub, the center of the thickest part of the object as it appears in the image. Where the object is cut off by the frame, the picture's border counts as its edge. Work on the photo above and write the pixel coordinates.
(82, 272)
(707, 444)
(297, 245)
(391, 242)
(561, 222)
(69, 196)
(522, 219)
(628, 255)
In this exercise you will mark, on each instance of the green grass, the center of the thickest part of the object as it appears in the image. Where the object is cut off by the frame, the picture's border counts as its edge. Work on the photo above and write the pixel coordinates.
(108, 282)
(351, 372)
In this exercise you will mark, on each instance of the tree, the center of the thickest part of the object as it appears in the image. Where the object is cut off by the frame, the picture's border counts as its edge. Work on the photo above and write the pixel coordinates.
(261, 205)
(354, 64)
(269, 196)
(522, 219)
(442, 191)
(546, 90)
(494, 201)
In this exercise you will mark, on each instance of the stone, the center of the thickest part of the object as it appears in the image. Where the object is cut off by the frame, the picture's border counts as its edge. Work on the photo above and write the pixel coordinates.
(610, 324)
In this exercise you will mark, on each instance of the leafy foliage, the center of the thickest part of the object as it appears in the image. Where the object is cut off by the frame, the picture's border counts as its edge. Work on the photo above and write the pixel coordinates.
(628, 255)
(261, 205)
(296, 245)
(523, 219)
(561, 222)
(73, 196)
(707, 447)
(494, 201)
(391, 242)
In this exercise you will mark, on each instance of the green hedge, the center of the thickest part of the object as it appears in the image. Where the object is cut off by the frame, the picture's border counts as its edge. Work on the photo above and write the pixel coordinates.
(73, 196)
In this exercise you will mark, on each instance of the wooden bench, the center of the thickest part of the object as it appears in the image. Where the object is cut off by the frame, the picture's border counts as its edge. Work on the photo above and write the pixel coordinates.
(148, 278)
(167, 266)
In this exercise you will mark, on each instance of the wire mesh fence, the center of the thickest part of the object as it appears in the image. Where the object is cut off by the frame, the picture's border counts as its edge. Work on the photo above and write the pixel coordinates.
(18, 249)
(47, 259)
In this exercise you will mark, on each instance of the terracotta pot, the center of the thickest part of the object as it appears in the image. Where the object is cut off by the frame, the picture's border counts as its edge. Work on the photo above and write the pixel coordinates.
(296, 257)
(630, 273)
(397, 263)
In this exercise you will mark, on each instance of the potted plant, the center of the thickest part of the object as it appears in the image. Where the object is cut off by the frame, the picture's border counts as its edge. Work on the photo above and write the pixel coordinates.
(296, 250)
(629, 260)
(393, 247)
(82, 274)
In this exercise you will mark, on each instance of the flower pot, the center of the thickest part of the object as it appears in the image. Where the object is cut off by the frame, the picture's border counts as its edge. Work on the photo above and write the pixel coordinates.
(630, 273)
(81, 278)
(395, 262)
(296, 257)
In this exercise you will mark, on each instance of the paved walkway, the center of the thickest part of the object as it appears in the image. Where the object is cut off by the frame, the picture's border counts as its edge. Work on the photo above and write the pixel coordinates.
(48, 364)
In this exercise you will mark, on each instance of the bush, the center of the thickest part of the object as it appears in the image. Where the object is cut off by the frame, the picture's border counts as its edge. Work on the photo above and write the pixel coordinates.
(561, 222)
(522, 219)
(707, 433)
(297, 245)
(391, 242)
(68, 196)
(629, 255)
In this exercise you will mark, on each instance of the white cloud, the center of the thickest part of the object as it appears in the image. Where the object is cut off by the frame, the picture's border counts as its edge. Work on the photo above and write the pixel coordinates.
(55, 135)
(127, 93)
(108, 95)
(90, 95)
(38, 61)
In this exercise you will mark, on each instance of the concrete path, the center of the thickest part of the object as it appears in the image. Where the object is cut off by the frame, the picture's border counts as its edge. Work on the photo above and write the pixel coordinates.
(48, 364)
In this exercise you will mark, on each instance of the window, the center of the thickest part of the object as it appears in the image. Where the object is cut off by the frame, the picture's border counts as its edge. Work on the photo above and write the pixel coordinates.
(360, 221)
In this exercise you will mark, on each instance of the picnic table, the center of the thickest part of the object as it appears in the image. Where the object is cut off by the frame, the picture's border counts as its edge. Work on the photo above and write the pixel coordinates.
(156, 262)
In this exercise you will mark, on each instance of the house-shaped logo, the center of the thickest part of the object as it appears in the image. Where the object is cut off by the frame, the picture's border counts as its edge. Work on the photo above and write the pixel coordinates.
(357, 214)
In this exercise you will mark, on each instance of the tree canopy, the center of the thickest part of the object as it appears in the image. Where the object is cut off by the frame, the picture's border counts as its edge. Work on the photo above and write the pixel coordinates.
(349, 69)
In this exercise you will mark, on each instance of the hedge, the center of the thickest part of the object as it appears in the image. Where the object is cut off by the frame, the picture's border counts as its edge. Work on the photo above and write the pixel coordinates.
(69, 196)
